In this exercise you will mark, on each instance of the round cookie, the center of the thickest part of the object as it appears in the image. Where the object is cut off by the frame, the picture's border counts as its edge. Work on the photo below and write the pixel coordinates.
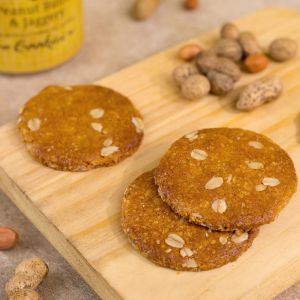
(170, 241)
(80, 127)
(226, 179)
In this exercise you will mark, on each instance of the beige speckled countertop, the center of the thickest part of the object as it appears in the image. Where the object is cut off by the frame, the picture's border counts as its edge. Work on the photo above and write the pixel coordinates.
(113, 41)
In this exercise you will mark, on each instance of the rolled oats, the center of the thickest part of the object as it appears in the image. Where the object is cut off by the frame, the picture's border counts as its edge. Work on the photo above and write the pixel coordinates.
(197, 215)
(255, 165)
(229, 178)
(223, 239)
(192, 136)
(190, 263)
(240, 238)
(186, 252)
(34, 124)
(106, 151)
(260, 187)
(199, 154)
(269, 181)
(214, 182)
(256, 145)
(97, 113)
(138, 123)
(219, 206)
(108, 142)
(97, 126)
(174, 240)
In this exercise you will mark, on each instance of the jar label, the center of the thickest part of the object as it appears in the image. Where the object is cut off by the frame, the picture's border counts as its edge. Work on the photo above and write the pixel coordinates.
(38, 34)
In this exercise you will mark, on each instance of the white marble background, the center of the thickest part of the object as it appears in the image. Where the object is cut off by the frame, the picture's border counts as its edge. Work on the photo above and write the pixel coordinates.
(113, 41)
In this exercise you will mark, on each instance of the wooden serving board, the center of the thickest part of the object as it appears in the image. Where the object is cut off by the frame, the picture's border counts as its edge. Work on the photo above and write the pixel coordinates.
(80, 212)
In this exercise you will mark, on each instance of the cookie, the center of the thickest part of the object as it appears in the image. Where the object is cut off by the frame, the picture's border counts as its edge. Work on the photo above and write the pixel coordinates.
(170, 241)
(226, 179)
(79, 128)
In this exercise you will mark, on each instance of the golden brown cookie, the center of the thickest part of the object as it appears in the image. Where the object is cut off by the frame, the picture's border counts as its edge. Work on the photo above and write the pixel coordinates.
(80, 127)
(226, 179)
(169, 240)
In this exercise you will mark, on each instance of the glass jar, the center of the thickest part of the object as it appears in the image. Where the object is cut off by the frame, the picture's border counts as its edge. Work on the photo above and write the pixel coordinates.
(37, 35)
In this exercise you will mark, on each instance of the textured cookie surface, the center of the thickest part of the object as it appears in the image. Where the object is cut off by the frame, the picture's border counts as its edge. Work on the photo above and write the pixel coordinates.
(226, 179)
(168, 240)
(81, 127)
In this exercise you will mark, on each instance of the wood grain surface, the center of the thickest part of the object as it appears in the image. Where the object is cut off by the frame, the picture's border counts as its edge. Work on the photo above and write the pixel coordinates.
(80, 212)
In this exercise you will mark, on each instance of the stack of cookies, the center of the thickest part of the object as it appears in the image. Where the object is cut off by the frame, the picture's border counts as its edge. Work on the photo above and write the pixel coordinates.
(202, 206)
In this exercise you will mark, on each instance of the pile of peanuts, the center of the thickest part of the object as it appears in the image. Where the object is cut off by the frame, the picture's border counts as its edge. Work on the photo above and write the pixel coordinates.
(28, 274)
(217, 70)
(144, 9)
(27, 277)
